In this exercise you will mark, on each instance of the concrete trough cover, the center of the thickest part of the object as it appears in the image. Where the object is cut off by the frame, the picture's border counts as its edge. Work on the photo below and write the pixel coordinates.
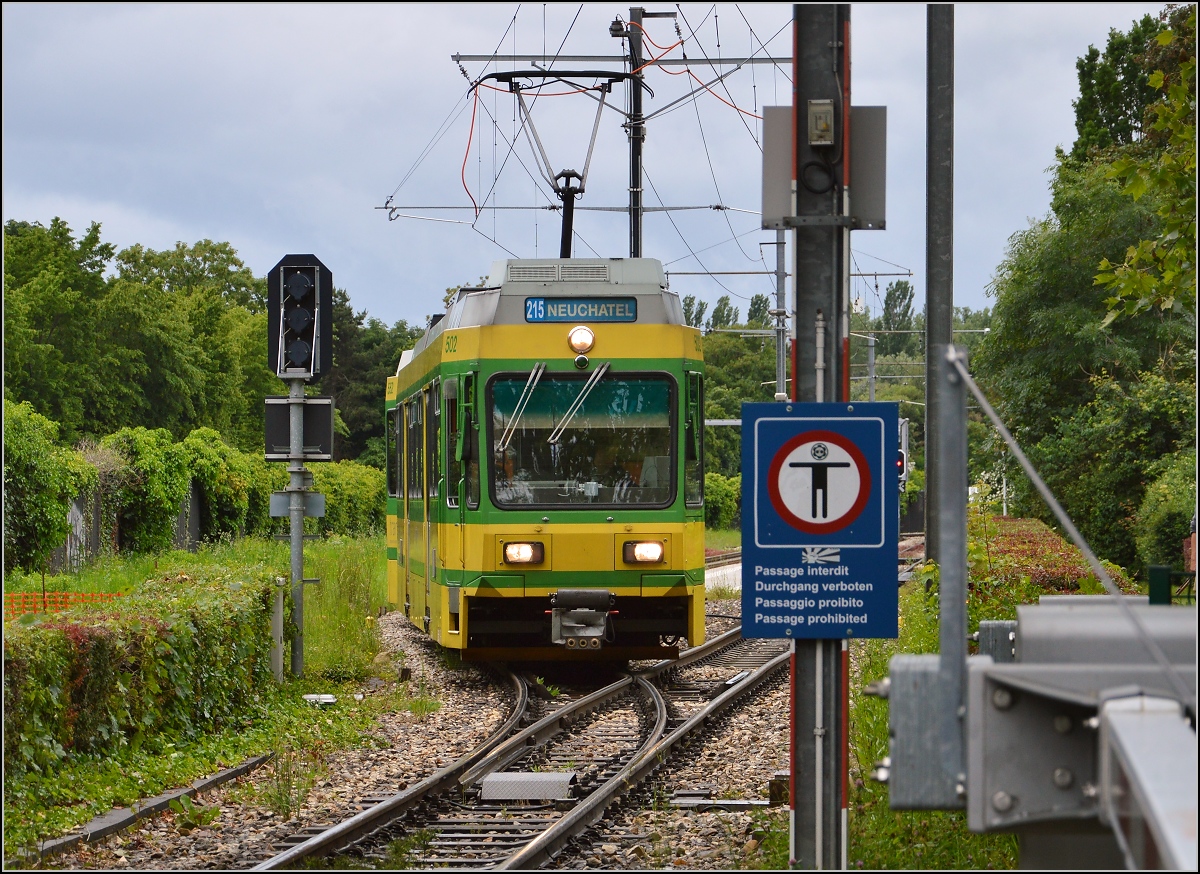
(536, 786)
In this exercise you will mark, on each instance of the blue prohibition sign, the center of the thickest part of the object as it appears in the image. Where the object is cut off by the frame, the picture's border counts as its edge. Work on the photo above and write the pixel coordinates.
(820, 520)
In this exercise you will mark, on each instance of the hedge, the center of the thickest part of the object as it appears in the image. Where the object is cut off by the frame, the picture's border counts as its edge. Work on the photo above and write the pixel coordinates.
(1014, 549)
(722, 500)
(176, 657)
(40, 480)
(222, 475)
(355, 498)
(148, 498)
(1165, 516)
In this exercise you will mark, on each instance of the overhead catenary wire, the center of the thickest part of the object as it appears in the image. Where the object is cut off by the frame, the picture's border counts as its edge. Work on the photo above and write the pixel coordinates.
(730, 101)
(687, 245)
(713, 173)
(475, 87)
(717, 88)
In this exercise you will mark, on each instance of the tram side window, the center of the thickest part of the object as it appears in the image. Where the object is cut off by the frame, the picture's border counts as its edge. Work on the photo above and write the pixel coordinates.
(693, 436)
(470, 441)
(415, 487)
(392, 454)
(434, 422)
(453, 434)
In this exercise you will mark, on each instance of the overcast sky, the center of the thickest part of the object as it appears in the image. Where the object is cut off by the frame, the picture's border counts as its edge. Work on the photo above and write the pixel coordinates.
(281, 128)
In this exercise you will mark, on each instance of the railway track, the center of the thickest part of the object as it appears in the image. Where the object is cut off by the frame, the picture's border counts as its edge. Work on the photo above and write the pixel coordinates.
(516, 801)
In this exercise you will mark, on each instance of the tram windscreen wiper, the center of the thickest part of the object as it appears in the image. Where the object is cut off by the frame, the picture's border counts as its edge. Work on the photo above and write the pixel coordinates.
(526, 394)
(592, 382)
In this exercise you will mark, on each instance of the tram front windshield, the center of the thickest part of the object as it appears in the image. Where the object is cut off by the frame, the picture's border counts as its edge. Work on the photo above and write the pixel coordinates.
(549, 448)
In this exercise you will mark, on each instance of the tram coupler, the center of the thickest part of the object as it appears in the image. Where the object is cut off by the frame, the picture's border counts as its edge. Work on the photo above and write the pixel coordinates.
(579, 617)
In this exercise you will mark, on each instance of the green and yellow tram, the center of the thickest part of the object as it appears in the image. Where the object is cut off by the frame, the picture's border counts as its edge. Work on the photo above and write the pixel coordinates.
(545, 466)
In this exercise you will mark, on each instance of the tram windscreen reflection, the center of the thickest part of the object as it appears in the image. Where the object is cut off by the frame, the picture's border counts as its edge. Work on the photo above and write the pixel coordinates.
(615, 449)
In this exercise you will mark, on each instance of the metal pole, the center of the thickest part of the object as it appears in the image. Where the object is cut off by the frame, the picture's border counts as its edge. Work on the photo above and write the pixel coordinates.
(277, 631)
(780, 317)
(637, 132)
(296, 489)
(952, 579)
(820, 357)
(939, 243)
(568, 202)
(821, 61)
(871, 365)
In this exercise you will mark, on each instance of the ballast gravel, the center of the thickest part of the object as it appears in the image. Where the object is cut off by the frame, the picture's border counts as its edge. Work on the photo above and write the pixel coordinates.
(735, 762)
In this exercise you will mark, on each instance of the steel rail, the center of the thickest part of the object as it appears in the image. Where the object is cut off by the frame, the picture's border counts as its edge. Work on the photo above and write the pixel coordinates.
(362, 824)
(541, 731)
(546, 845)
(503, 747)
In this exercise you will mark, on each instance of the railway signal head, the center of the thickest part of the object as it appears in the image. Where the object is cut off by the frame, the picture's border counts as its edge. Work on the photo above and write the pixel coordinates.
(902, 467)
(299, 312)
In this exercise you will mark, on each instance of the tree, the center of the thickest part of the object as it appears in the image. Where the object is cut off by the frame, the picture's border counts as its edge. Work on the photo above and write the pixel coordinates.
(737, 369)
(723, 315)
(1100, 459)
(211, 294)
(52, 287)
(897, 316)
(759, 314)
(693, 311)
(1114, 90)
(186, 269)
(1046, 339)
(1160, 271)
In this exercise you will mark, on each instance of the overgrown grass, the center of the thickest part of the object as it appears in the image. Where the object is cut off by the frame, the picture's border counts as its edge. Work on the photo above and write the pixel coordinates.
(341, 634)
(879, 836)
(42, 806)
(340, 613)
(341, 642)
(722, 538)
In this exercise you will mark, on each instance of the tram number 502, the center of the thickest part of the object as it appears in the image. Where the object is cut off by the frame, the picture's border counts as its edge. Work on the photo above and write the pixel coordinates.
(452, 343)
(535, 309)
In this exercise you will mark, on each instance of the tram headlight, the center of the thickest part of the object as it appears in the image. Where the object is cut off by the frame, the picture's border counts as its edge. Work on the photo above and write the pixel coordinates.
(524, 553)
(581, 339)
(643, 552)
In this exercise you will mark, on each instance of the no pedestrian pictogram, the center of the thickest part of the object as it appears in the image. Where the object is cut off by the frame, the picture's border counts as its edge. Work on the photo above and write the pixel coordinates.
(819, 482)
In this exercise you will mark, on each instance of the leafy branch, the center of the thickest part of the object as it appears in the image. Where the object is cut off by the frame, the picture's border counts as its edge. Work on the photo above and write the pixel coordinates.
(1161, 273)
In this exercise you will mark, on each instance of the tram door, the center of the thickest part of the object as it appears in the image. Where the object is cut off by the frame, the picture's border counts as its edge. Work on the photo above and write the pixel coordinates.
(414, 518)
(395, 488)
(433, 419)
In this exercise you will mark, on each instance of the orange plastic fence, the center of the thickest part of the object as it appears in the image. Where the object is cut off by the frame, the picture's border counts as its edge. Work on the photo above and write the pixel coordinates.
(18, 603)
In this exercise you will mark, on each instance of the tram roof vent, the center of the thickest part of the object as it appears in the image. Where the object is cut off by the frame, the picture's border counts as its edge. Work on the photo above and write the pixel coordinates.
(584, 272)
(532, 272)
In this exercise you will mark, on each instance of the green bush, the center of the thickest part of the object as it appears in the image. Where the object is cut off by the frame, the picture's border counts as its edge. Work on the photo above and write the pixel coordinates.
(355, 498)
(175, 657)
(913, 489)
(40, 480)
(722, 500)
(265, 477)
(223, 475)
(148, 499)
(1164, 518)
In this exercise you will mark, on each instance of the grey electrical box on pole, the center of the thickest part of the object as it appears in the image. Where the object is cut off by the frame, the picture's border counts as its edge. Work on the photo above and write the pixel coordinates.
(299, 349)
(868, 168)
